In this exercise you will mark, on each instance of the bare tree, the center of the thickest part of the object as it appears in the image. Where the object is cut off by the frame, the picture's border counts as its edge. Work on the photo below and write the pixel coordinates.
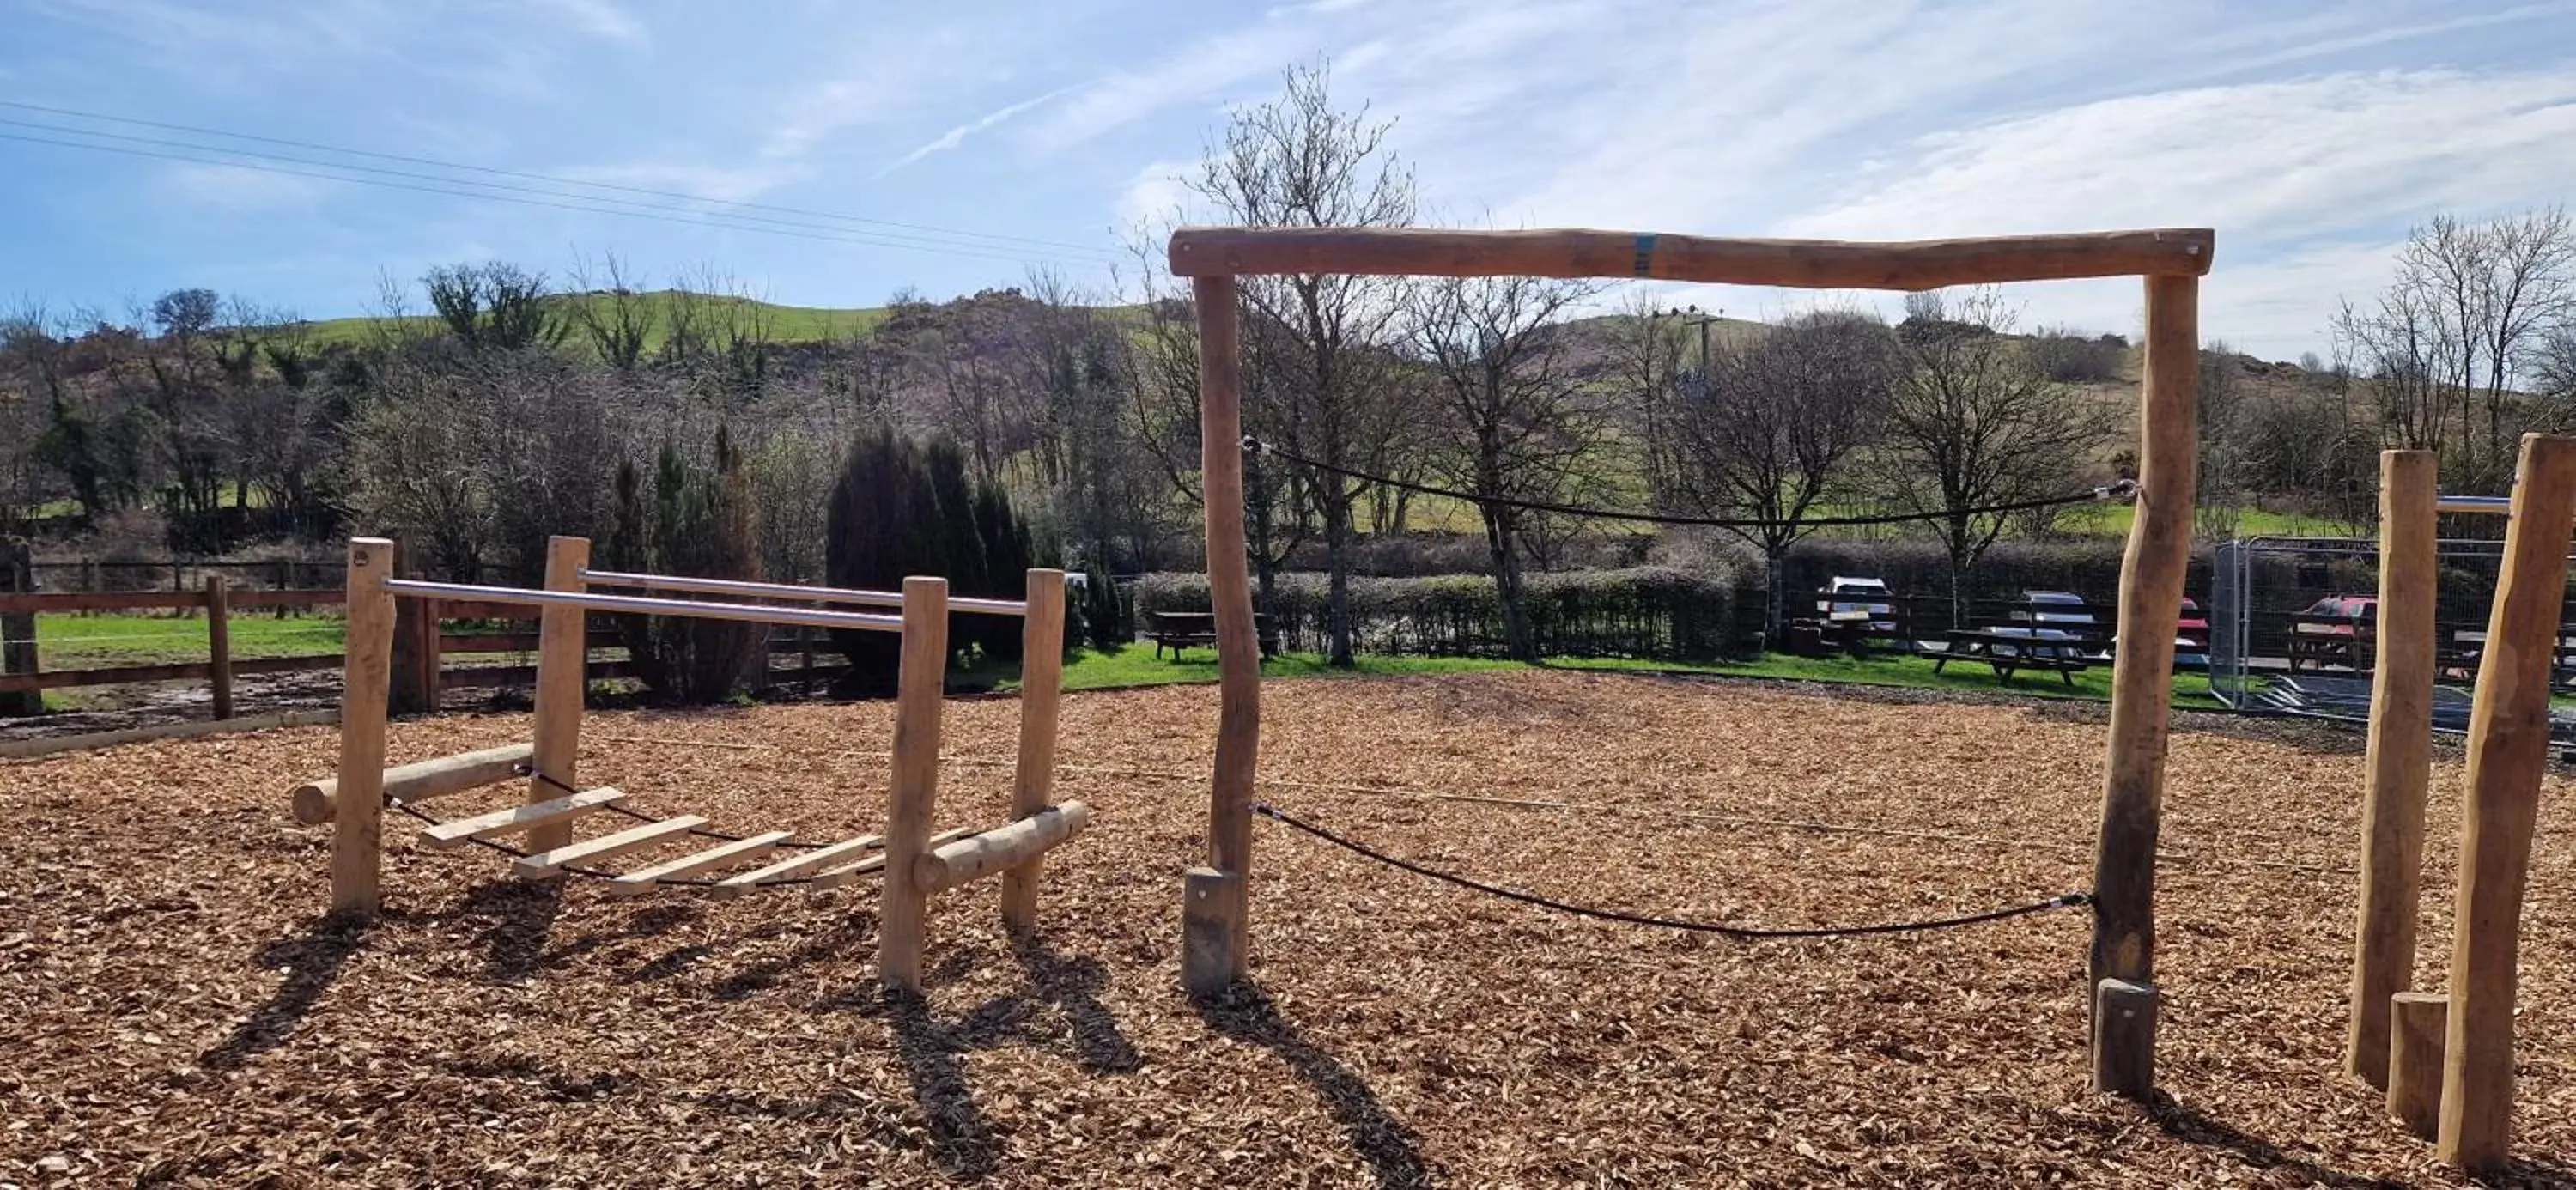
(612, 311)
(1319, 348)
(1523, 426)
(1645, 368)
(1973, 422)
(1780, 414)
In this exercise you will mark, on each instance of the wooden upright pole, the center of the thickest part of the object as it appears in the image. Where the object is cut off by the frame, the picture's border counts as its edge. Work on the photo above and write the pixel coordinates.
(219, 644)
(2508, 752)
(562, 658)
(913, 793)
(2151, 580)
(18, 629)
(356, 833)
(2401, 757)
(1213, 897)
(1041, 689)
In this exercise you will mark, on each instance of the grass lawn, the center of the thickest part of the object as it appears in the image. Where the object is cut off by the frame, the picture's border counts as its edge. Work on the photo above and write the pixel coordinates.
(92, 642)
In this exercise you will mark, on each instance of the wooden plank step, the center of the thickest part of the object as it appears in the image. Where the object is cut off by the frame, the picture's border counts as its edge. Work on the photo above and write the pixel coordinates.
(836, 877)
(544, 863)
(455, 833)
(796, 864)
(642, 880)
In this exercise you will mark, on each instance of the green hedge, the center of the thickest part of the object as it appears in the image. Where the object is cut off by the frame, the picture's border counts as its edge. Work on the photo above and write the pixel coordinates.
(1647, 611)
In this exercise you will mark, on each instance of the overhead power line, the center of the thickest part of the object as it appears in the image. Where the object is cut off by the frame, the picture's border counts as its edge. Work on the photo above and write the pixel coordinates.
(580, 203)
(701, 207)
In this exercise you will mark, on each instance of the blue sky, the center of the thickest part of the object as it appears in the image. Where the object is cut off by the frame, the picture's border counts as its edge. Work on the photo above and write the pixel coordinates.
(2310, 136)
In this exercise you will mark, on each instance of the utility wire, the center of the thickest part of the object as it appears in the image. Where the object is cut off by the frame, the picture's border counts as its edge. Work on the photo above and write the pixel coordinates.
(716, 223)
(537, 177)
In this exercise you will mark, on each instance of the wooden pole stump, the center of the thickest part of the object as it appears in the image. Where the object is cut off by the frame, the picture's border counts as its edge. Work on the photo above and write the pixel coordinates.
(1214, 943)
(2508, 752)
(219, 644)
(2416, 1023)
(357, 846)
(2151, 581)
(2400, 764)
(1041, 692)
(2124, 1038)
(914, 790)
(563, 653)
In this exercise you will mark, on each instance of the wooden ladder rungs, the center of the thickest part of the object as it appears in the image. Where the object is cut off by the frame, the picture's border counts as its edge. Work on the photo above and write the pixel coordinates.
(545, 863)
(800, 862)
(643, 880)
(448, 835)
(837, 877)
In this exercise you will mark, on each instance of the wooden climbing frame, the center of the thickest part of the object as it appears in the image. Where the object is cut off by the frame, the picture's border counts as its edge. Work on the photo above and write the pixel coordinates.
(1214, 898)
(2445, 1060)
(914, 863)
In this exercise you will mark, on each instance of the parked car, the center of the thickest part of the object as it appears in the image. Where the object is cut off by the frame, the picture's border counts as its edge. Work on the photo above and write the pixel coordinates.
(1846, 595)
(2191, 637)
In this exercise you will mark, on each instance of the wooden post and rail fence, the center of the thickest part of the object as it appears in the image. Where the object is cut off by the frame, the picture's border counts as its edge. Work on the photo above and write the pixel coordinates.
(423, 648)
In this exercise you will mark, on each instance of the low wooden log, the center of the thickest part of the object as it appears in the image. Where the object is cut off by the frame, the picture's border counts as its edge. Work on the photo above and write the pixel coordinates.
(419, 781)
(643, 880)
(977, 856)
(548, 864)
(458, 832)
(2124, 1038)
(2417, 1022)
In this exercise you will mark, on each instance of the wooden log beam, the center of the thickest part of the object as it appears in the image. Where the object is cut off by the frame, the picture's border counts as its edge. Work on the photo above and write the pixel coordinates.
(2151, 580)
(2416, 1024)
(1213, 957)
(722, 855)
(563, 652)
(920, 683)
(191, 729)
(1041, 695)
(2400, 764)
(2508, 752)
(101, 601)
(979, 855)
(1206, 252)
(357, 845)
(317, 802)
(804, 861)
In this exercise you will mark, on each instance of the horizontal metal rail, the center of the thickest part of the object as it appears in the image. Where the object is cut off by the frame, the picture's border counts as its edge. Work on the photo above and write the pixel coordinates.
(752, 590)
(642, 606)
(2497, 505)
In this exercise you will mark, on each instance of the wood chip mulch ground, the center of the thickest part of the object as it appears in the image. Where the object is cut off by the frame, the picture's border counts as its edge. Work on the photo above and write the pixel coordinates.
(173, 1011)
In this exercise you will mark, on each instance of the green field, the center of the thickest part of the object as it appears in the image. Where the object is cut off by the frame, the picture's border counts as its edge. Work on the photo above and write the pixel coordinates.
(786, 324)
(92, 642)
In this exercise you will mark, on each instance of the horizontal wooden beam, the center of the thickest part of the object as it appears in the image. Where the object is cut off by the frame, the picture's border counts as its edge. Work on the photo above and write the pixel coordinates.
(980, 855)
(457, 832)
(722, 855)
(179, 671)
(101, 601)
(646, 606)
(419, 781)
(546, 865)
(1800, 264)
(50, 745)
(745, 589)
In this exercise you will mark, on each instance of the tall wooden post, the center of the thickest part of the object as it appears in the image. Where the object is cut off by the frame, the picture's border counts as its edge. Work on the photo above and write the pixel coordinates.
(1041, 690)
(358, 820)
(2508, 752)
(219, 644)
(18, 629)
(2151, 581)
(1213, 897)
(563, 656)
(2401, 757)
(920, 681)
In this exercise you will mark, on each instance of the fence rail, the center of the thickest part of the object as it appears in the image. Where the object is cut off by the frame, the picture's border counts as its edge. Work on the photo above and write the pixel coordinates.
(423, 644)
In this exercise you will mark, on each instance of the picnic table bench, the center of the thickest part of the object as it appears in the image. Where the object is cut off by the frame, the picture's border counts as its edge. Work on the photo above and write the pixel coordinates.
(2317, 641)
(2008, 650)
(1852, 632)
(1181, 630)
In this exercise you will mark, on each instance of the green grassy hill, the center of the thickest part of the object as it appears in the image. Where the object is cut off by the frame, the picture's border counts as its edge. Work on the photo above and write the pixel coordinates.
(787, 324)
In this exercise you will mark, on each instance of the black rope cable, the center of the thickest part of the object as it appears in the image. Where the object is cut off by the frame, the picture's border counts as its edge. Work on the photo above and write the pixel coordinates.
(641, 816)
(1742, 932)
(2124, 487)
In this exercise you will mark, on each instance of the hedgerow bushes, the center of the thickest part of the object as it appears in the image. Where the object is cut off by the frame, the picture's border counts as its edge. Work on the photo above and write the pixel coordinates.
(1645, 611)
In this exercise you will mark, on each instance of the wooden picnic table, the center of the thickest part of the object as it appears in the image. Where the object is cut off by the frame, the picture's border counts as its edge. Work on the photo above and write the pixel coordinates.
(1180, 630)
(2007, 651)
(2318, 641)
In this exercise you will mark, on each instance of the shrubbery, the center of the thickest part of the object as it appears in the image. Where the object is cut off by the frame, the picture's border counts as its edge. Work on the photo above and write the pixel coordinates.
(908, 508)
(1646, 611)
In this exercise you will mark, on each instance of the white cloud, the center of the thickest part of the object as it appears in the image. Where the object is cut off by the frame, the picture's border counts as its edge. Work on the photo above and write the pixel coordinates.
(599, 18)
(957, 136)
(237, 191)
(1155, 195)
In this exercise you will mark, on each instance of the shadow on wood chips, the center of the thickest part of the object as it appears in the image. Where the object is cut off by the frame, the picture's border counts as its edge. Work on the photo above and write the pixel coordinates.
(1247, 1014)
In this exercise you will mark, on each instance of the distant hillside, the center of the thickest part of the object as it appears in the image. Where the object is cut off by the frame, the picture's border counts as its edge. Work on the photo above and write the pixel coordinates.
(787, 324)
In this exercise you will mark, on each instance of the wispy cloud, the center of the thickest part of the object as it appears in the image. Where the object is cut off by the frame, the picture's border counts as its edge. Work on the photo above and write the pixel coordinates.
(599, 18)
(957, 136)
(236, 191)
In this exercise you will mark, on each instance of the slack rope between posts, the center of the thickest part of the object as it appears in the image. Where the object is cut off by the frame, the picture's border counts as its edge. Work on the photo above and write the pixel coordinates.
(2110, 491)
(1742, 933)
